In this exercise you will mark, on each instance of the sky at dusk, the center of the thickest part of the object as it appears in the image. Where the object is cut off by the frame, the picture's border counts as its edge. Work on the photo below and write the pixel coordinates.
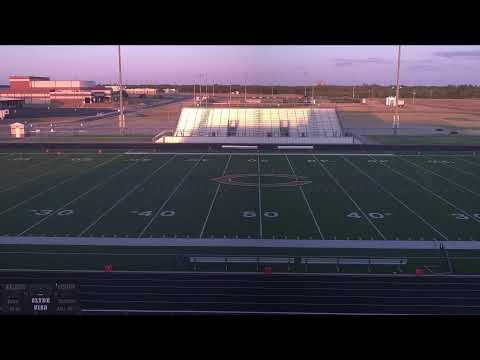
(286, 65)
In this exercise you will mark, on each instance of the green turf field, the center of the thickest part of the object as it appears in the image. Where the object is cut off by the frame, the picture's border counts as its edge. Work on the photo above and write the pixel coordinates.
(257, 196)
(311, 198)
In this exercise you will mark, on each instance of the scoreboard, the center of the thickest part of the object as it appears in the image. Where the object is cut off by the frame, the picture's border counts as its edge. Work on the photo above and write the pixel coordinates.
(53, 298)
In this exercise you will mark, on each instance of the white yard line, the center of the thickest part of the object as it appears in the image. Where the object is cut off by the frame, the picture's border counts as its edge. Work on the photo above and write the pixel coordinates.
(33, 165)
(57, 185)
(141, 183)
(214, 198)
(306, 201)
(351, 199)
(169, 197)
(463, 171)
(441, 176)
(476, 176)
(260, 215)
(469, 162)
(32, 179)
(396, 198)
(79, 197)
(430, 192)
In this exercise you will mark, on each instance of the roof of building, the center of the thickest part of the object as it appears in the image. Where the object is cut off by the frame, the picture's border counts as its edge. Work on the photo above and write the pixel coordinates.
(9, 99)
(29, 77)
(26, 91)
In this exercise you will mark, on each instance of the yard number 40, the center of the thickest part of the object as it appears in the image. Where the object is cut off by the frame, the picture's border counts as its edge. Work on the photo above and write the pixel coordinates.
(373, 215)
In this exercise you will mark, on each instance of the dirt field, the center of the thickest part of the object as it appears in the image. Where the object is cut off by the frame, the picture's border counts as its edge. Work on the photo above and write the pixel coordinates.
(424, 117)
(148, 117)
(144, 117)
(420, 140)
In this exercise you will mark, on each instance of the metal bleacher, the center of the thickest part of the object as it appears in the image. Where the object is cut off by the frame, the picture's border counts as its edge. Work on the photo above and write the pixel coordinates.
(286, 125)
(307, 264)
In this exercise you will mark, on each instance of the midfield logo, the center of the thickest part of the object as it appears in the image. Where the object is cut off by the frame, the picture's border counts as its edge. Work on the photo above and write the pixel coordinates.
(265, 180)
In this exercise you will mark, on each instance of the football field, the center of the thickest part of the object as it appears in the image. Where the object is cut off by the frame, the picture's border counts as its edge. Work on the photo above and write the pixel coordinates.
(241, 196)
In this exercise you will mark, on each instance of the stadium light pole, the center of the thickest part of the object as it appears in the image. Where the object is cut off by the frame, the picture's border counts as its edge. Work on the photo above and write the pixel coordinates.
(396, 119)
(305, 84)
(230, 95)
(121, 120)
(206, 90)
(246, 75)
(200, 90)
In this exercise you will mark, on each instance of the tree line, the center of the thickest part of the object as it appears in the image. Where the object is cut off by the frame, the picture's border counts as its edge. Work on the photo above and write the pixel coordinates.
(336, 91)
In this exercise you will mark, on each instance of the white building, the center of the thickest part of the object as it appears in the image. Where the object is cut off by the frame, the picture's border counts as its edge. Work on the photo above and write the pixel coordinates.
(167, 91)
(391, 101)
(115, 88)
(42, 90)
(142, 91)
(18, 130)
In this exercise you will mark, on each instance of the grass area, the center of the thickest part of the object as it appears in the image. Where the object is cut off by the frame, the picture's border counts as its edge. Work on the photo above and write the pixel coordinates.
(88, 138)
(165, 258)
(425, 139)
(268, 197)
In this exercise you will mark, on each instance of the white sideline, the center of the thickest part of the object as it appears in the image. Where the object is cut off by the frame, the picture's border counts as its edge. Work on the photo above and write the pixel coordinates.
(249, 243)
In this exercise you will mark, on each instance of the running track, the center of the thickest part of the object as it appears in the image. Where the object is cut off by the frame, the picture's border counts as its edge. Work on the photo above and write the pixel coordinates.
(234, 293)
